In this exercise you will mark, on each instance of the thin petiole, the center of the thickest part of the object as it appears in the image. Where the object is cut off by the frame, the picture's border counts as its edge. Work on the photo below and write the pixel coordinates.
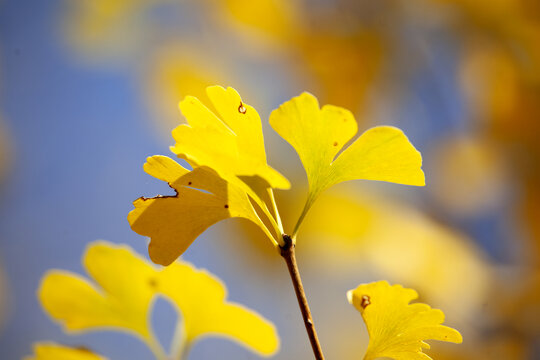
(155, 346)
(288, 253)
(275, 209)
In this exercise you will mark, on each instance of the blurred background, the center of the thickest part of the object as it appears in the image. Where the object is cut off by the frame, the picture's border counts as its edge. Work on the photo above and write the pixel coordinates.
(89, 89)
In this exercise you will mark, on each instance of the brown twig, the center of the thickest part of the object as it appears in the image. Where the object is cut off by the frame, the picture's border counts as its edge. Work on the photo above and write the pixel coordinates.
(288, 253)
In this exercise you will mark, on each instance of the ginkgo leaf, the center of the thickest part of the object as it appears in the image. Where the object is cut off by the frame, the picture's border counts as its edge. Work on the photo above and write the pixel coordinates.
(232, 145)
(51, 351)
(382, 153)
(120, 298)
(202, 199)
(396, 328)
(229, 165)
(201, 299)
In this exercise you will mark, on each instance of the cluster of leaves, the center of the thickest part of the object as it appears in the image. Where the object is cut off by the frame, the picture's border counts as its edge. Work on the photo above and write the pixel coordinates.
(230, 178)
(121, 298)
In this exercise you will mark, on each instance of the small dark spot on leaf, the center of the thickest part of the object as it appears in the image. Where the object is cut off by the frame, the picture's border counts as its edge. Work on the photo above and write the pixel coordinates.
(242, 109)
(144, 198)
(152, 283)
(365, 301)
(189, 183)
(226, 206)
(335, 143)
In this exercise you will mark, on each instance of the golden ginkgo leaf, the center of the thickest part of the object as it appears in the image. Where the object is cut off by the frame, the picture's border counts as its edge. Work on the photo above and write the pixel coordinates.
(232, 144)
(397, 329)
(202, 199)
(382, 153)
(122, 299)
(201, 299)
(229, 173)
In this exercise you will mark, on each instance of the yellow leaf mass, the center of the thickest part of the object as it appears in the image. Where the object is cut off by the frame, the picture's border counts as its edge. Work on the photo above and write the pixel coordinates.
(232, 145)
(120, 298)
(318, 134)
(51, 351)
(201, 299)
(229, 172)
(396, 328)
(202, 199)
(123, 295)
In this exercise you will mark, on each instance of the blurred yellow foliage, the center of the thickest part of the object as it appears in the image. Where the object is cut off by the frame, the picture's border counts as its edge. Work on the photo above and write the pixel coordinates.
(319, 134)
(276, 21)
(123, 295)
(342, 67)
(51, 351)
(480, 168)
(5, 152)
(490, 79)
(175, 71)
(392, 240)
(107, 29)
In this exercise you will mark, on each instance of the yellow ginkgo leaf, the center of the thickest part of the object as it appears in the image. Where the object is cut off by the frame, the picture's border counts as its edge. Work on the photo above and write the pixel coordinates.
(123, 301)
(202, 199)
(201, 299)
(381, 153)
(396, 328)
(232, 146)
(51, 351)
(120, 298)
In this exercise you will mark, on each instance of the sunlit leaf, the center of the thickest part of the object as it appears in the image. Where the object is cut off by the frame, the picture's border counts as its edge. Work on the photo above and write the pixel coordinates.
(123, 296)
(201, 299)
(396, 328)
(229, 171)
(174, 222)
(120, 298)
(382, 153)
(232, 145)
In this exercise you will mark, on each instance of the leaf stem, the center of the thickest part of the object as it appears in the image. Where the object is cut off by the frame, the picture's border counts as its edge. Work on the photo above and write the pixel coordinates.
(155, 346)
(180, 346)
(309, 202)
(288, 253)
(274, 208)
